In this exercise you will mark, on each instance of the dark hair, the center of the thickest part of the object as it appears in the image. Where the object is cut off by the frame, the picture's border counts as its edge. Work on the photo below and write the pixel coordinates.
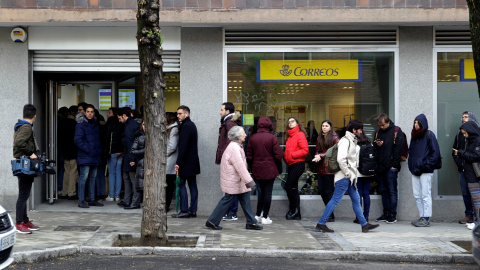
(309, 123)
(124, 110)
(383, 117)
(29, 111)
(89, 106)
(229, 107)
(363, 139)
(83, 104)
(184, 108)
(354, 124)
(63, 111)
(136, 114)
(419, 124)
(114, 110)
(300, 127)
(326, 142)
(73, 109)
(171, 118)
(465, 112)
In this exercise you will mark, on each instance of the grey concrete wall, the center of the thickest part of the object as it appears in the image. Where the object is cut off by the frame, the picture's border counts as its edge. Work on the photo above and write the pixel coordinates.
(14, 79)
(201, 84)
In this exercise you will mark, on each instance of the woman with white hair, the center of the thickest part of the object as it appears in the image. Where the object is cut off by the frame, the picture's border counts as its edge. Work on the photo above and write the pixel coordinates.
(235, 181)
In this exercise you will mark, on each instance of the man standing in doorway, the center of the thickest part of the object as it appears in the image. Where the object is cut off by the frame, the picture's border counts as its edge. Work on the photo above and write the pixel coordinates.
(129, 180)
(389, 141)
(24, 145)
(459, 144)
(87, 139)
(66, 138)
(188, 163)
(227, 121)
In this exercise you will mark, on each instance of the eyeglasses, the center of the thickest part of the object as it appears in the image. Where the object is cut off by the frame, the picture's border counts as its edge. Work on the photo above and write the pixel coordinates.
(465, 116)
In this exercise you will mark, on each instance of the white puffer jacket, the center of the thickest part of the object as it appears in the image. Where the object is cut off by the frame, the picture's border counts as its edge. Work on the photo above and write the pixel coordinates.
(233, 170)
(347, 158)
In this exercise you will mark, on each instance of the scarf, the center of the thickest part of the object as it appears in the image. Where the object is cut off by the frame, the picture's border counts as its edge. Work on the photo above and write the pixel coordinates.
(417, 134)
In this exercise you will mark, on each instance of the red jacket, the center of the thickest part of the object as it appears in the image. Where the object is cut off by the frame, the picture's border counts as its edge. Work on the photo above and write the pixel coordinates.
(296, 148)
(226, 124)
(264, 152)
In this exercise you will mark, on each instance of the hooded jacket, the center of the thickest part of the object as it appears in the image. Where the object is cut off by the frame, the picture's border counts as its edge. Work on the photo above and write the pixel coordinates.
(226, 123)
(87, 139)
(460, 142)
(296, 147)
(423, 153)
(347, 158)
(390, 153)
(471, 153)
(264, 152)
(131, 126)
(23, 139)
(172, 144)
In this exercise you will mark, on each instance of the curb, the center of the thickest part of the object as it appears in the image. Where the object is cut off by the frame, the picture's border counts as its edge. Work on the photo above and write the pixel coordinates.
(52, 253)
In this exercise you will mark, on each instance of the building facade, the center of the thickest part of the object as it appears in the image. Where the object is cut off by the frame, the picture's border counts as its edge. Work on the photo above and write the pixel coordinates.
(399, 57)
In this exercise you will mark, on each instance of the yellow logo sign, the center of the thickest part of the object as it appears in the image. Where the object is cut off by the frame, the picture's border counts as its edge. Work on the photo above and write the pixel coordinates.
(309, 71)
(467, 71)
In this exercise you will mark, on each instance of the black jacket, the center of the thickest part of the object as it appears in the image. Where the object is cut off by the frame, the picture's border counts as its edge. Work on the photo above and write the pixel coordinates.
(138, 151)
(424, 151)
(114, 136)
(187, 159)
(471, 153)
(131, 126)
(390, 153)
(459, 143)
(66, 135)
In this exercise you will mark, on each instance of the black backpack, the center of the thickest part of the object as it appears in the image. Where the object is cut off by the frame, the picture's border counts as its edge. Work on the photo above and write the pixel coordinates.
(367, 160)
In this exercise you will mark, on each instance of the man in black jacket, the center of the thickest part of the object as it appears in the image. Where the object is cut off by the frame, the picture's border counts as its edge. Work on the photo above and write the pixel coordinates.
(389, 152)
(66, 140)
(188, 163)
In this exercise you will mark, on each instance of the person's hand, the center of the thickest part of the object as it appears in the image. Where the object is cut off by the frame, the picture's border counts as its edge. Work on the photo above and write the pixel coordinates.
(177, 167)
(33, 156)
(455, 152)
(317, 158)
(132, 163)
(379, 143)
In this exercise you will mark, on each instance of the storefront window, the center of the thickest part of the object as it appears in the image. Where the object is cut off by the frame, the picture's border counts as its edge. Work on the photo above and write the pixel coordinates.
(312, 87)
(456, 92)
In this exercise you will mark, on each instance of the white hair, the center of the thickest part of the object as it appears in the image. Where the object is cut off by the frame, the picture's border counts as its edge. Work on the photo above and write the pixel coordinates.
(234, 133)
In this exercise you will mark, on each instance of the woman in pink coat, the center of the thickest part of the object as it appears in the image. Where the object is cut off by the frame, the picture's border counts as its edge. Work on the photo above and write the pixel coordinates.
(235, 181)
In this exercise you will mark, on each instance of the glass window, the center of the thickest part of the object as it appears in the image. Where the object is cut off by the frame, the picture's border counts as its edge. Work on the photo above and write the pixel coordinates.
(311, 99)
(456, 92)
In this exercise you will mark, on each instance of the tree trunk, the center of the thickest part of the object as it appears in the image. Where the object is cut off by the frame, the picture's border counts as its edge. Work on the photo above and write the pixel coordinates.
(149, 39)
(474, 12)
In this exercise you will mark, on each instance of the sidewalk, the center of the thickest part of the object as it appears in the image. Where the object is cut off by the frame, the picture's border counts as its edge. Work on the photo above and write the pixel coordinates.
(390, 242)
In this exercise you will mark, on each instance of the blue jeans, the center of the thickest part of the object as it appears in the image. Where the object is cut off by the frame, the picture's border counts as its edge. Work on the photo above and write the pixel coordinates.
(226, 201)
(387, 186)
(100, 180)
(467, 197)
(341, 186)
(90, 172)
(192, 186)
(115, 175)
(363, 186)
(233, 209)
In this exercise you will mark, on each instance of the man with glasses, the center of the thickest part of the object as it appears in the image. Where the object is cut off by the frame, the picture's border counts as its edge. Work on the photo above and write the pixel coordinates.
(188, 163)
(459, 144)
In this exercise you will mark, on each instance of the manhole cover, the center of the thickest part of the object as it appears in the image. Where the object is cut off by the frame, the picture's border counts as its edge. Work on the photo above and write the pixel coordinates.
(467, 245)
(77, 228)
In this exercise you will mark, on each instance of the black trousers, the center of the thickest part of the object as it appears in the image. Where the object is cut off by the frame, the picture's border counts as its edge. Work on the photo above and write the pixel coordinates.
(265, 199)
(291, 186)
(170, 190)
(24, 189)
(326, 186)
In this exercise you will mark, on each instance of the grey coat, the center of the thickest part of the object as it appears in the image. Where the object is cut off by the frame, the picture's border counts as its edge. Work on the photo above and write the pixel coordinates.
(172, 153)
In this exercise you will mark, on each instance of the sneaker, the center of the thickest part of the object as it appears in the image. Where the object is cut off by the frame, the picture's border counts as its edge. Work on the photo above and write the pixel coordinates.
(31, 226)
(382, 218)
(391, 220)
(117, 198)
(266, 221)
(470, 226)
(259, 218)
(110, 199)
(21, 228)
(422, 223)
(465, 220)
(415, 221)
(230, 218)
(83, 204)
(94, 203)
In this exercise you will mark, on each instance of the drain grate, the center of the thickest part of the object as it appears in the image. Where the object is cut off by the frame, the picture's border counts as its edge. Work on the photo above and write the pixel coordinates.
(77, 228)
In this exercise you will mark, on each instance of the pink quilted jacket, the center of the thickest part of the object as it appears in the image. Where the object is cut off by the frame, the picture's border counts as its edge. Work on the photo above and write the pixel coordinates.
(233, 170)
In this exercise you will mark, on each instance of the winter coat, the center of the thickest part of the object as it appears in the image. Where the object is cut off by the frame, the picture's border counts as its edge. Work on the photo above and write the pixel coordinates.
(296, 147)
(471, 153)
(321, 168)
(138, 151)
(23, 139)
(131, 126)
(312, 139)
(114, 135)
(347, 158)
(187, 158)
(234, 174)
(460, 142)
(264, 152)
(226, 123)
(87, 139)
(390, 153)
(424, 153)
(66, 134)
(172, 144)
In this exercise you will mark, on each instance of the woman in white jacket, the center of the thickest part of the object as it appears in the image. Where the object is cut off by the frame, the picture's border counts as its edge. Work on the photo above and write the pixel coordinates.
(172, 143)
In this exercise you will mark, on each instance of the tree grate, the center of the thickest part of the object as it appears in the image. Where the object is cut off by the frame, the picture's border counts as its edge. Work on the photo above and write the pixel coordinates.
(77, 228)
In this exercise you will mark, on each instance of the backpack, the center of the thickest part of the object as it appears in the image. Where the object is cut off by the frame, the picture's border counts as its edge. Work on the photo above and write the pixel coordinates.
(404, 155)
(438, 164)
(367, 160)
(331, 162)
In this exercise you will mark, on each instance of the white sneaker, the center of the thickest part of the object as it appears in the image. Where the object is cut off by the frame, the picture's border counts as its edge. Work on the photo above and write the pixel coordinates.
(109, 199)
(470, 226)
(258, 218)
(266, 221)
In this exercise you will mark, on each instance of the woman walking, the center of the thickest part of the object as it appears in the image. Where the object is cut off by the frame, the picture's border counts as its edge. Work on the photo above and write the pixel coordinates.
(296, 149)
(264, 153)
(235, 181)
(172, 143)
(325, 181)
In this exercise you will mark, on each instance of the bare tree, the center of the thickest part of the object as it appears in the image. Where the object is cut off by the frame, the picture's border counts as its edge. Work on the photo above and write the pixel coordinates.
(149, 40)
(474, 11)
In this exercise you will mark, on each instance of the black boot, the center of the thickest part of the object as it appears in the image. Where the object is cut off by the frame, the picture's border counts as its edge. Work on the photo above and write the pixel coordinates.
(295, 215)
(289, 213)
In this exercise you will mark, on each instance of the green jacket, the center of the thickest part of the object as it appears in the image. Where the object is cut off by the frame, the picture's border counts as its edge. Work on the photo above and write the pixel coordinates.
(23, 140)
